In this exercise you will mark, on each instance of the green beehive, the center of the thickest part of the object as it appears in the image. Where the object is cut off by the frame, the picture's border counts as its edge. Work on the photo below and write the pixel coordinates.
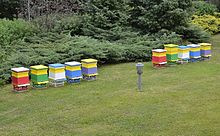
(39, 75)
(173, 57)
(39, 78)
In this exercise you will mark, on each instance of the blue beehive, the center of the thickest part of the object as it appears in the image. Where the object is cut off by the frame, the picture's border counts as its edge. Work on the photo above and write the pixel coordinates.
(73, 70)
(195, 51)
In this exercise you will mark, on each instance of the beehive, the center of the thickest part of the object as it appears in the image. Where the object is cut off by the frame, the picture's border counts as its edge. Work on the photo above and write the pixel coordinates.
(89, 67)
(172, 52)
(20, 78)
(57, 72)
(39, 74)
(159, 56)
(183, 53)
(73, 70)
(194, 51)
(205, 49)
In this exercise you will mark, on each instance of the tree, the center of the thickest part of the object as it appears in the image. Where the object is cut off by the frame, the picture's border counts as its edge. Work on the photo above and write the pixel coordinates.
(9, 8)
(154, 15)
(216, 2)
(44, 7)
(105, 19)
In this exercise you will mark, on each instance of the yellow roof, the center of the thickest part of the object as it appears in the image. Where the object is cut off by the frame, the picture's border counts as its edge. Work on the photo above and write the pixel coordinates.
(170, 45)
(89, 60)
(205, 44)
(39, 67)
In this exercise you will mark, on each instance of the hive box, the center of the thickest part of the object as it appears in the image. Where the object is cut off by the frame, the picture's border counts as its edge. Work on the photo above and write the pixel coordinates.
(89, 66)
(183, 52)
(205, 49)
(39, 74)
(20, 76)
(57, 71)
(172, 52)
(194, 51)
(159, 56)
(73, 70)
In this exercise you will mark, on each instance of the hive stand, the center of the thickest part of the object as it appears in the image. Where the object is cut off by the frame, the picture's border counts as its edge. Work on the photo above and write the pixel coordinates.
(40, 85)
(57, 83)
(91, 77)
(74, 80)
(195, 59)
(20, 88)
(204, 58)
(183, 61)
(159, 65)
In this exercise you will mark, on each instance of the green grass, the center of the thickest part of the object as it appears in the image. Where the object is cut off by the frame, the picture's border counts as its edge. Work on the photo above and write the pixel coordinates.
(182, 100)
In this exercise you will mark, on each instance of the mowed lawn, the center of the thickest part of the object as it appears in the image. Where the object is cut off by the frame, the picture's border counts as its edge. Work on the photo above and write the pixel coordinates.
(183, 100)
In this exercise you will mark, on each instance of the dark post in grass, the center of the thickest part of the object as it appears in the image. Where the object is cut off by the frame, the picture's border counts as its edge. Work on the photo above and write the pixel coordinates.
(139, 72)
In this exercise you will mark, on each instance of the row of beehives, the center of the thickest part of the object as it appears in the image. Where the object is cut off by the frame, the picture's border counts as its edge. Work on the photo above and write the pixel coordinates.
(72, 72)
(173, 54)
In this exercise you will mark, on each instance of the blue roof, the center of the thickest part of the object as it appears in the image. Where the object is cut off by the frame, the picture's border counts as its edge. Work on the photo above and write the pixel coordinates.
(183, 47)
(57, 65)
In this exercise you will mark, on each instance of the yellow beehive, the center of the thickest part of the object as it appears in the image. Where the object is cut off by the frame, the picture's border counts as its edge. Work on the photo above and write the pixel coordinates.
(183, 50)
(19, 75)
(75, 68)
(159, 54)
(89, 63)
(57, 70)
(195, 49)
(39, 70)
(205, 46)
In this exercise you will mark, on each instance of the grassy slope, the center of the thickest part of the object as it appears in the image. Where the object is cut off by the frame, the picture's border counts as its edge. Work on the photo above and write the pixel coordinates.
(182, 100)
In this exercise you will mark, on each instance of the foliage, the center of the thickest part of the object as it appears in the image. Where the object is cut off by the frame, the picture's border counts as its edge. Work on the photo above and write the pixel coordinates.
(49, 48)
(12, 30)
(193, 33)
(105, 19)
(209, 23)
(152, 16)
(216, 2)
(203, 8)
(9, 8)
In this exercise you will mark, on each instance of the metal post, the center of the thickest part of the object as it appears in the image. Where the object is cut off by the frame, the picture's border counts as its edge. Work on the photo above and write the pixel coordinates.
(139, 82)
(139, 72)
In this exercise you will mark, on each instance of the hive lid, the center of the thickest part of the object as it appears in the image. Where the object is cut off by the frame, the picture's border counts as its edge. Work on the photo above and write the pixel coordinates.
(20, 69)
(38, 67)
(73, 63)
(89, 60)
(57, 65)
(205, 44)
(183, 47)
(193, 45)
(170, 45)
(159, 50)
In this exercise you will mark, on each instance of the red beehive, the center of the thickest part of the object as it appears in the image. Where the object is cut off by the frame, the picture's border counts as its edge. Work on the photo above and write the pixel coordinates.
(159, 56)
(20, 76)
